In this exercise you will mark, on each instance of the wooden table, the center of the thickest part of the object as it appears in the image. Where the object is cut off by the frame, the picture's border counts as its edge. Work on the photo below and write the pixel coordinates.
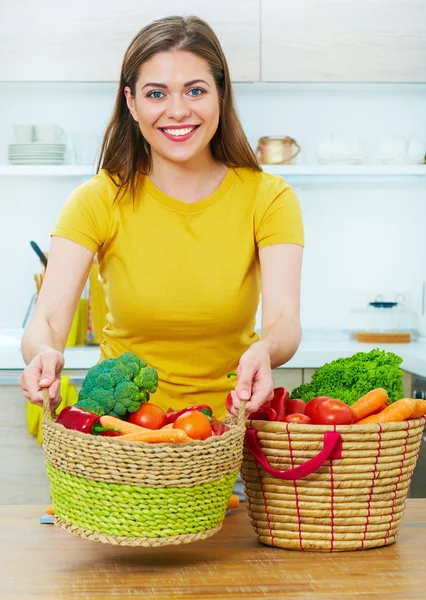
(44, 562)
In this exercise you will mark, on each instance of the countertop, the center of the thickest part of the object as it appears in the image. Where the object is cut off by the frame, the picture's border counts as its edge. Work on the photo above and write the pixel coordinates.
(316, 348)
(45, 562)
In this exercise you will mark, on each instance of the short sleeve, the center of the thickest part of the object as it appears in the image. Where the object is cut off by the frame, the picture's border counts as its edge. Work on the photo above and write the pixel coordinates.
(85, 217)
(278, 217)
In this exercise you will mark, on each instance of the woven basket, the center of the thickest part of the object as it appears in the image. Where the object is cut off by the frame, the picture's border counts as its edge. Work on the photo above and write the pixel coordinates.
(349, 494)
(140, 494)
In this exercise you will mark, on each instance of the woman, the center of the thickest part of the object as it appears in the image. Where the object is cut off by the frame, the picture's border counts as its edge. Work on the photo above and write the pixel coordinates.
(187, 230)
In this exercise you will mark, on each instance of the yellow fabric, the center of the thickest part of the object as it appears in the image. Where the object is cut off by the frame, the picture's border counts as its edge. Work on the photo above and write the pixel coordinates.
(182, 280)
(69, 396)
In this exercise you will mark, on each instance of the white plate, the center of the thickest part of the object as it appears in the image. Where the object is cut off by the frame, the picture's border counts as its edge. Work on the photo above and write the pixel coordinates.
(47, 161)
(37, 146)
(40, 155)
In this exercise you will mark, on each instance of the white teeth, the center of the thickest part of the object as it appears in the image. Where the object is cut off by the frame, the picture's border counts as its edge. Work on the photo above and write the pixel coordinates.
(179, 132)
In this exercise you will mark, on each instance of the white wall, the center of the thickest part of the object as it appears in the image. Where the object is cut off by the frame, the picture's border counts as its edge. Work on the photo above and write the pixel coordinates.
(363, 236)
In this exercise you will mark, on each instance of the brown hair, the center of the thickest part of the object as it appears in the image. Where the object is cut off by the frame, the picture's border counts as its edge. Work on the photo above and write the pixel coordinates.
(124, 150)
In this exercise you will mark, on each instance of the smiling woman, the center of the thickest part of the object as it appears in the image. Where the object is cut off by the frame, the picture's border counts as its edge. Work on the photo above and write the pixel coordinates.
(187, 230)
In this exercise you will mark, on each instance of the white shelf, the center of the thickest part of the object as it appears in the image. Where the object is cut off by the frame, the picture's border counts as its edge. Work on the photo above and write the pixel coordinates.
(351, 170)
(285, 170)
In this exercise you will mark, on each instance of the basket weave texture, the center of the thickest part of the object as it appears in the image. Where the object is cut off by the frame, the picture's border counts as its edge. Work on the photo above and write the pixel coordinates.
(139, 494)
(350, 503)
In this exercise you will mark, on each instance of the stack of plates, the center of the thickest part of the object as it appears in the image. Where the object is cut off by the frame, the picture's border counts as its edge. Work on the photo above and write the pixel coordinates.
(36, 153)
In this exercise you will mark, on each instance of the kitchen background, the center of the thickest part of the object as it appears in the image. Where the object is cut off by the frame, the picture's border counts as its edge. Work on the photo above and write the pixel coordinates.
(353, 69)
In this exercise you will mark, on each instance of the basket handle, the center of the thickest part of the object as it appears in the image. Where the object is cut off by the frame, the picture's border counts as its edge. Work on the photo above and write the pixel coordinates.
(332, 449)
(46, 404)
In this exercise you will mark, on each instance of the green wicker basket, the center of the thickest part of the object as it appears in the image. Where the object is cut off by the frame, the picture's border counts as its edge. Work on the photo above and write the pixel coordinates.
(139, 494)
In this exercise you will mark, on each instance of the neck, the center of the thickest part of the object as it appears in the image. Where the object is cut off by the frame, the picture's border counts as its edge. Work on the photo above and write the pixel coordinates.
(188, 181)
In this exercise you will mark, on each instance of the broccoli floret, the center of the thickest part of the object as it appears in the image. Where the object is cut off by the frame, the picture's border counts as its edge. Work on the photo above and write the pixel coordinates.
(118, 386)
(131, 363)
(147, 378)
(91, 406)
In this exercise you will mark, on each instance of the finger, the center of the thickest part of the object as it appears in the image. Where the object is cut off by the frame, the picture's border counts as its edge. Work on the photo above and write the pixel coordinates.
(235, 404)
(259, 398)
(245, 381)
(53, 391)
(55, 402)
(48, 374)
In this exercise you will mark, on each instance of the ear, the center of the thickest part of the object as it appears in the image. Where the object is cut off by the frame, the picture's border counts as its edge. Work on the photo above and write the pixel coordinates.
(131, 103)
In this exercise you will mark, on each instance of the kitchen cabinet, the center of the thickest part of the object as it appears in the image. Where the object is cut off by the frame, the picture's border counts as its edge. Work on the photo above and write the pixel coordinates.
(86, 41)
(335, 40)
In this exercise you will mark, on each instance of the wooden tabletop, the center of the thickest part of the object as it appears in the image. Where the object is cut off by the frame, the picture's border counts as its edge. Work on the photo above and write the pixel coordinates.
(45, 562)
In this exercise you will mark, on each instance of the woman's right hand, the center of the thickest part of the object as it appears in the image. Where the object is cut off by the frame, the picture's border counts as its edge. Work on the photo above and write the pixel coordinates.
(44, 371)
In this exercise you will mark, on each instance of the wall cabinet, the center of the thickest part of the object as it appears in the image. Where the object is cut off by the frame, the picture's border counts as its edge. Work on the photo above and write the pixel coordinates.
(343, 40)
(86, 41)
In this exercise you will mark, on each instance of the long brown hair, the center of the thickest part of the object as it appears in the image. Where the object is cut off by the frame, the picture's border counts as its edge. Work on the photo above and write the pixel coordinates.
(124, 151)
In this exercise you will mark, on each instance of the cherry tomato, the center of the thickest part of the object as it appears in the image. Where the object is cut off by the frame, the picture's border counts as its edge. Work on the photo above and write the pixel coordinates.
(312, 405)
(150, 416)
(298, 418)
(296, 406)
(333, 412)
(196, 425)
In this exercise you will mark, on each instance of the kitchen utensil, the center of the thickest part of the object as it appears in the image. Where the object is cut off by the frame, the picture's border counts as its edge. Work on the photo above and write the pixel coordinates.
(48, 133)
(340, 150)
(39, 253)
(277, 150)
(24, 133)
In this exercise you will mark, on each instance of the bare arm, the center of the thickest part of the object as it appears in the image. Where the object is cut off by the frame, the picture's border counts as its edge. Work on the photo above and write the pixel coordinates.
(66, 274)
(44, 340)
(281, 267)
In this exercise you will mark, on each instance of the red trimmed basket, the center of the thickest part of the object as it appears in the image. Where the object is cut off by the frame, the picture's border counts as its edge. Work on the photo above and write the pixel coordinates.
(325, 488)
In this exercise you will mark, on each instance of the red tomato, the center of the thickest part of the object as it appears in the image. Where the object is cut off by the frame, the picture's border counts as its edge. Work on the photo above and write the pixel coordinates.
(196, 425)
(150, 416)
(298, 418)
(333, 412)
(296, 406)
(312, 405)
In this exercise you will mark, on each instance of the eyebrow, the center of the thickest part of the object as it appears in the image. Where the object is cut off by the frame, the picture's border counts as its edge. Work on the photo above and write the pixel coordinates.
(164, 87)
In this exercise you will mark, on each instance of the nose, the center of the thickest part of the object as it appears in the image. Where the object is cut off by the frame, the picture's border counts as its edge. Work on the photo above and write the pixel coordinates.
(177, 108)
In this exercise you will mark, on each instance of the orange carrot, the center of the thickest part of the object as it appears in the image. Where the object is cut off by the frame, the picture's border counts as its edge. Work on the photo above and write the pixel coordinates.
(156, 436)
(168, 426)
(233, 502)
(420, 409)
(369, 403)
(398, 411)
(122, 426)
(49, 510)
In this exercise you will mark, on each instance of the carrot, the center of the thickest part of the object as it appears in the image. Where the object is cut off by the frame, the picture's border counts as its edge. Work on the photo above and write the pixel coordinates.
(398, 411)
(233, 502)
(156, 436)
(369, 403)
(168, 426)
(49, 510)
(122, 426)
(420, 409)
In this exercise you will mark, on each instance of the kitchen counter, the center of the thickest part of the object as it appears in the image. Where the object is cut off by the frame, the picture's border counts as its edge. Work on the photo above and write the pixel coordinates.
(317, 347)
(45, 562)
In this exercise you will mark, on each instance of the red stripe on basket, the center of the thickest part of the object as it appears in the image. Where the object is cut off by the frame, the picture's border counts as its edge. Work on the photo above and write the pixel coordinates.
(385, 541)
(265, 503)
(260, 482)
(373, 480)
(332, 503)
(299, 522)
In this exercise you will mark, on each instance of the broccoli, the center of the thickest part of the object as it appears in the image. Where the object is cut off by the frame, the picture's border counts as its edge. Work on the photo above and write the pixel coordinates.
(348, 379)
(117, 386)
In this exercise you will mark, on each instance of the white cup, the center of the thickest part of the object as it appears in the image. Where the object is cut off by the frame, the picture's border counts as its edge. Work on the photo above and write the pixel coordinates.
(48, 134)
(24, 134)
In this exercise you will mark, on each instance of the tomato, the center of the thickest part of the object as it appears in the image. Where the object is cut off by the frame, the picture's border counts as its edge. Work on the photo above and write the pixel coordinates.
(195, 424)
(313, 404)
(296, 406)
(333, 412)
(150, 416)
(298, 418)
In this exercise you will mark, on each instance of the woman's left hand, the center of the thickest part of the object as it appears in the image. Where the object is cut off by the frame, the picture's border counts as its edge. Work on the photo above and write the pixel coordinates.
(255, 384)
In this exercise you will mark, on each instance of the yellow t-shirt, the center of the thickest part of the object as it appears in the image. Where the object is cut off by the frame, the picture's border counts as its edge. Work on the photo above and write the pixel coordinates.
(182, 281)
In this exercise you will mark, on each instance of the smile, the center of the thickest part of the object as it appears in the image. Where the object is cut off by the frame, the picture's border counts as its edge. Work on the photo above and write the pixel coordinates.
(179, 134)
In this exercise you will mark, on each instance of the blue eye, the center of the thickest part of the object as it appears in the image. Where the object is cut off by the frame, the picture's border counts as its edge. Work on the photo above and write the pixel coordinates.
(155, 94)
(196, 92)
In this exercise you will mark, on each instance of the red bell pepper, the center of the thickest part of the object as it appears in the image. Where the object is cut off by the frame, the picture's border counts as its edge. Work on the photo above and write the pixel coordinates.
(73, 417)
(278, 403)
(218, 428)
(203, 408)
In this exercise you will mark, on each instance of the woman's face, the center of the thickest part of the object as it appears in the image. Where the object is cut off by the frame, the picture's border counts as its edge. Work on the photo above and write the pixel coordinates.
(176, 105)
